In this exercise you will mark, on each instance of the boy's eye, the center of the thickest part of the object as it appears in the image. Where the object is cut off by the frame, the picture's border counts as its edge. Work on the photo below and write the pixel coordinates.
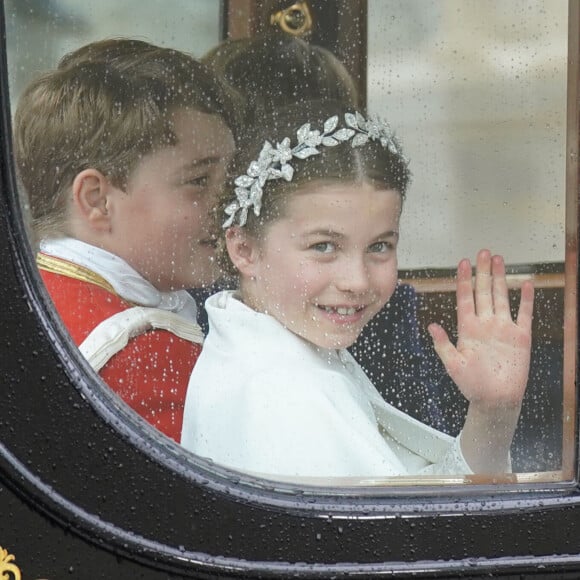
(381, 247)
(323, 247)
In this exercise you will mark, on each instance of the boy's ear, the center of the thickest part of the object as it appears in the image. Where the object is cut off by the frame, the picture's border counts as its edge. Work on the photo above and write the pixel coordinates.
(243, 251)
(91, 191)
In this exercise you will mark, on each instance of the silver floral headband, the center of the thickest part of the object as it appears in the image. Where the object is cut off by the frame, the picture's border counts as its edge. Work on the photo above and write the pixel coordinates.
(273, 162)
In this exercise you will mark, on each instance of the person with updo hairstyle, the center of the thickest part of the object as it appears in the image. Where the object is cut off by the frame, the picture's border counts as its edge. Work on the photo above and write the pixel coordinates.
(274, 70)
(310, 223)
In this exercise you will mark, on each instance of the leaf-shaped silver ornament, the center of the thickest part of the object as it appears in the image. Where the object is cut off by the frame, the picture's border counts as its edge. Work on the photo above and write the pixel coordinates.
(255, 193)
(266, 152)
(361, 121)
(287, 172)
(313, 139)
(359, 139)
(282, 153)
(243, 195)
(331, 124)
(229, 221)
(303, 132)
(343, 134)
(231, 210)
(329, 141)
(306, 152)
(243, 216)
(254, 169)
(256, 198)
(244, 181)
(350, 120)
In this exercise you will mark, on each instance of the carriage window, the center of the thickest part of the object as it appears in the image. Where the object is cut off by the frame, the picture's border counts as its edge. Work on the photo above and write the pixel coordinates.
(291, 337)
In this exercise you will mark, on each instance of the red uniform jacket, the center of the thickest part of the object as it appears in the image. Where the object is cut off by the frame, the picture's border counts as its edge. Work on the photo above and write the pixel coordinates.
(151, 373)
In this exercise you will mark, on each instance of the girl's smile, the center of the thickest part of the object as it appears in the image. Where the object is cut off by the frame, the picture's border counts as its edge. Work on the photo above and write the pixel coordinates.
(343, 314)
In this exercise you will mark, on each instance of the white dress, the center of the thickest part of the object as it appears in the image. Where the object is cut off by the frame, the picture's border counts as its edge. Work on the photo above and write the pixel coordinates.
(265, 401)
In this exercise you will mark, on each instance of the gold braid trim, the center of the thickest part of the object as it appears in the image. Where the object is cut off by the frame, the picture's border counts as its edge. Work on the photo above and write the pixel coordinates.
(70, 270)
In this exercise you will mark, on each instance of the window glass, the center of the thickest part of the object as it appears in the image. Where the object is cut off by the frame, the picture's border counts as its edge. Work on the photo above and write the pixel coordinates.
(38, 34)
(479, 92)
(478, 143)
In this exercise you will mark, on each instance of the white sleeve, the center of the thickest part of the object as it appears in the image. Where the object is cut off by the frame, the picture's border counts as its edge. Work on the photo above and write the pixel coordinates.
(452, 462)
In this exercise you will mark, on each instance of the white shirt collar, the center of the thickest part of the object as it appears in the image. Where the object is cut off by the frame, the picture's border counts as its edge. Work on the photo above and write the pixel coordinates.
(126, 281)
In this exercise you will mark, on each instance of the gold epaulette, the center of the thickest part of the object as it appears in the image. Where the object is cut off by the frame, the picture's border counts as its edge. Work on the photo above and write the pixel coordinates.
(71, 270)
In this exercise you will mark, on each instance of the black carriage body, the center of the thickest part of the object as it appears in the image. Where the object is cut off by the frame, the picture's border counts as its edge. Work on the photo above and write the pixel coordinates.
(87, 492)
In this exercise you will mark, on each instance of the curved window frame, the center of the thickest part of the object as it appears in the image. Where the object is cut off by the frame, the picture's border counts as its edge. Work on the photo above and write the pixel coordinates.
(89, 466)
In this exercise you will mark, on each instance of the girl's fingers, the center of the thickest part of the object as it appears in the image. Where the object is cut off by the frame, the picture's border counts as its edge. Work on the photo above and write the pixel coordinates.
(465, 304)
(443, 346)
(483, 284)
(526, 309)
(501, 303)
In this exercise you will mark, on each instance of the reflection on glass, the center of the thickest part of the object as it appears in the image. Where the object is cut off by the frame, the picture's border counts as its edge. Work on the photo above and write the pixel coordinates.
(476, 92)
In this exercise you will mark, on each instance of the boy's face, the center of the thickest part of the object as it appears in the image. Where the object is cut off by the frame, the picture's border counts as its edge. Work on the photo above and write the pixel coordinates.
(161, 225)
(330, 264)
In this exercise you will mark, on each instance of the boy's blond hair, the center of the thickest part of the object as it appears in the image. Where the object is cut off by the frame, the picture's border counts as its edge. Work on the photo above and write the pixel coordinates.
(105, 106)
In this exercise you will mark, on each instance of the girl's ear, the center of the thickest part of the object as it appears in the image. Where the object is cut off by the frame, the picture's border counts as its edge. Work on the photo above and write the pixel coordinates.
(91, 192)
(243, 251)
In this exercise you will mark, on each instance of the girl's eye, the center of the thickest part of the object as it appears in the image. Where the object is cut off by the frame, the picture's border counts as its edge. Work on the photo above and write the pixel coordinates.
(199, 181)
(380, 247)
(323, 247)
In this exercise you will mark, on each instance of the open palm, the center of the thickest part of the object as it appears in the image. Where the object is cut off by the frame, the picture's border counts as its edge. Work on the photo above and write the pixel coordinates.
(490, 363)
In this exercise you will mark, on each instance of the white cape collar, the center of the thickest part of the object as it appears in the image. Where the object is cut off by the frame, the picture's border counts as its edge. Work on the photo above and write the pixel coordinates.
(126, 281)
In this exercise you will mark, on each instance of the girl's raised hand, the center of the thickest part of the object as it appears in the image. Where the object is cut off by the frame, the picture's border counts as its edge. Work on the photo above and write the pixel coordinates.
(490, 363)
